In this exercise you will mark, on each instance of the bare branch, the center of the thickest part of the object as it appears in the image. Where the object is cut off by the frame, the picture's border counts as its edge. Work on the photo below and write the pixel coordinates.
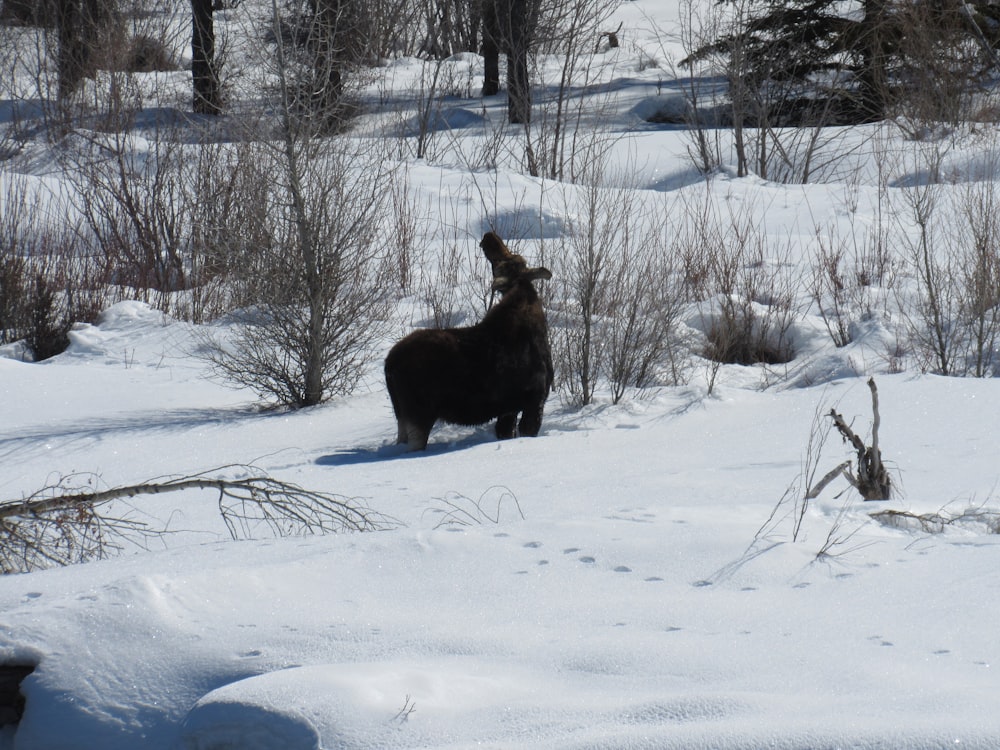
(73, 521)
(841, 470)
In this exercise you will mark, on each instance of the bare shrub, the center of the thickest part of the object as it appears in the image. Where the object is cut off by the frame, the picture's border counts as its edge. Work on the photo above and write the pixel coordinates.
(954, 318)
(557, 146)
(754, 296)
(850, 276)
(410, 220)
(14, 283)
(579, 295)
(146, 54)
(322, 281)
(445, 287)
(227, 190)
(47, 280)
(941, 68)
(979, 260)
(616, 295)
(646, 300)
(699, 24)
(133, 204)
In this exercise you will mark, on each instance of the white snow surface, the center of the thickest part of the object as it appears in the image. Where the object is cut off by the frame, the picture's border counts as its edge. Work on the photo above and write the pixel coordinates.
(609, 604)
(606, 591)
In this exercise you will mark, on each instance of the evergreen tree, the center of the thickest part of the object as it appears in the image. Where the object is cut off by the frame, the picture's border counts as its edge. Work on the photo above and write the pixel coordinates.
(863, 55)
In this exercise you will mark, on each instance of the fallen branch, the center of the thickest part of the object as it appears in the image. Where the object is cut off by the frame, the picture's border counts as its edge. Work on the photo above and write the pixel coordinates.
(72, 521)
(872, 479)
(841, 470)
(936, 523)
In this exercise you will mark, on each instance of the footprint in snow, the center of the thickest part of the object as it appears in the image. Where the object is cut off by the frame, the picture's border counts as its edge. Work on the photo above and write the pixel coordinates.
(880, 640)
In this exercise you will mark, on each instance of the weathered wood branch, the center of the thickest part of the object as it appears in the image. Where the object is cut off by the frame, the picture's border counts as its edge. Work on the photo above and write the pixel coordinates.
(840, 470)
(72, 521)
(872, 480)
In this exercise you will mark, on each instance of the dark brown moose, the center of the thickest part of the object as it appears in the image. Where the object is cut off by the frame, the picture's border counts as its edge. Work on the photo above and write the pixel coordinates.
(496, 369)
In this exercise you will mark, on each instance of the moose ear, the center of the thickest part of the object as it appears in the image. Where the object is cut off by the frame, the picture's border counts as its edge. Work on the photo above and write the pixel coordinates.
(493, 248)
(534, 274)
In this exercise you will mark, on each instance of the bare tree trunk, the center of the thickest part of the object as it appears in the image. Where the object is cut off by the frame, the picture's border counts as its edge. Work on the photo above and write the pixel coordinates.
(874, 78)
(74, 54)
(330, 46)
(521, 30)
(490, 48)
(207, 94)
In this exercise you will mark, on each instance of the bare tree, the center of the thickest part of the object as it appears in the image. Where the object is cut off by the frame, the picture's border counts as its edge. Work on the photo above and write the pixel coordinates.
(323, 280)
(84, 28)
(205, 76)
(509, 26)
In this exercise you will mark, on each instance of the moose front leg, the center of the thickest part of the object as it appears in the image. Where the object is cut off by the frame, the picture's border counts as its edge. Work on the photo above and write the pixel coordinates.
(531, 419)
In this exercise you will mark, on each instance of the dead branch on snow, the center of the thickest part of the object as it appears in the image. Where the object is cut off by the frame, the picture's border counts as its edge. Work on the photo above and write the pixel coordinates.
(72, 521)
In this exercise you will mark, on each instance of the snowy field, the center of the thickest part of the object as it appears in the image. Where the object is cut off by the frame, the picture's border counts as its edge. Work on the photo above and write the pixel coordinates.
(628, 579)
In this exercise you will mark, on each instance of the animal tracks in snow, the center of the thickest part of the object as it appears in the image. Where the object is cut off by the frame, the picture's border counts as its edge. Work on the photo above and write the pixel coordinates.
(576, 554)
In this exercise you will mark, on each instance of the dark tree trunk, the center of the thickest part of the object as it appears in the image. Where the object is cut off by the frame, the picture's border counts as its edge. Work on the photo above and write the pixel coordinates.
(74, 55)
(30, 12)
(874, 83)
(207, 94)
(330, 44)
(521, 28)
(490, 48)
(84, 31)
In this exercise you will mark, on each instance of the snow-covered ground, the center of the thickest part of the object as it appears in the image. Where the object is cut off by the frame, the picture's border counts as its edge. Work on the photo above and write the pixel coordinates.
(628, 579)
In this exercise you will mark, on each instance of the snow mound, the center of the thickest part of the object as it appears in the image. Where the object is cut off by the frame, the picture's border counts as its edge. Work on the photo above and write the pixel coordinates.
(364, 705)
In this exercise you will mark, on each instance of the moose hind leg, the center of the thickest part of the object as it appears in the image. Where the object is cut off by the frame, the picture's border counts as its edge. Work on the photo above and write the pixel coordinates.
(505, 425)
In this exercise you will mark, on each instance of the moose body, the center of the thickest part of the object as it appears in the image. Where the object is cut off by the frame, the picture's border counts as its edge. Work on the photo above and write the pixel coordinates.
(496, 369)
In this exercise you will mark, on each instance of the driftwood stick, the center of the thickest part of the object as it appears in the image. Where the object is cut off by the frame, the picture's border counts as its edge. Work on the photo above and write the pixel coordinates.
(872, 480)
(842, 469)
(876, 453)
